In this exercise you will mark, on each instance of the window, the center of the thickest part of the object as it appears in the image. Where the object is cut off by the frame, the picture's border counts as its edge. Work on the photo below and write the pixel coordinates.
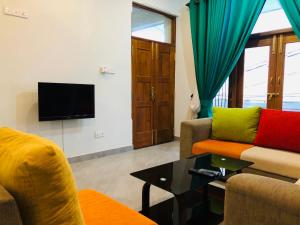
(271, 73)
(268, 73)
(265, 22)
(256, 72)
(221, 100)
(291, 88)
(151, 25)
(253, 88)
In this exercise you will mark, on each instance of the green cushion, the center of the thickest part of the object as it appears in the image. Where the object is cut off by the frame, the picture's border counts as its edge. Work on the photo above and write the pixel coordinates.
(235, 124)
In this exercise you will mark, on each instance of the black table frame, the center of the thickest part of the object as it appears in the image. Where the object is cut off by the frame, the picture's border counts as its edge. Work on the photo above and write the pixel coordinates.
(179, 198)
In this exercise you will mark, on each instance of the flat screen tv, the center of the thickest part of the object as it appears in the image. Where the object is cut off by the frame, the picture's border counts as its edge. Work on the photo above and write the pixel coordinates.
(58, 101)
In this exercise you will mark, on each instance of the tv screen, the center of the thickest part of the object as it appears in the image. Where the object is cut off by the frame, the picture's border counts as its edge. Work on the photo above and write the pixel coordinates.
(59, 101)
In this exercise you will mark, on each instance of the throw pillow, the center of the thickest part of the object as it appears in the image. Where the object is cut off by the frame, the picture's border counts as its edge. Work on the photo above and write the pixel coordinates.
(235, 124)
(279, 129)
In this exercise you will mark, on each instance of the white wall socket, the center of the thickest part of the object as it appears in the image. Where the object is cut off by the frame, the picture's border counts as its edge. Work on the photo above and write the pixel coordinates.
(99, 134)
(15, 12)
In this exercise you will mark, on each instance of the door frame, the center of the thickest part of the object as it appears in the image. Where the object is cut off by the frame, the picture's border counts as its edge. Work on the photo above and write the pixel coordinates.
(154, 46)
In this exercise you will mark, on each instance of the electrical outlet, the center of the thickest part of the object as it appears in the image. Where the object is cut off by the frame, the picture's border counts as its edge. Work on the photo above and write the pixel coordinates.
(99, 134)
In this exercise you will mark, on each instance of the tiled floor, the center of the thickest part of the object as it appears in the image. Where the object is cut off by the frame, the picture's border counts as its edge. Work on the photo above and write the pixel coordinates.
(111, 174)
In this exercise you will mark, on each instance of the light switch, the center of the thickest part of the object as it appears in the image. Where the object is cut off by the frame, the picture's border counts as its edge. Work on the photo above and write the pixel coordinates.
(15, 12)
(106, 70)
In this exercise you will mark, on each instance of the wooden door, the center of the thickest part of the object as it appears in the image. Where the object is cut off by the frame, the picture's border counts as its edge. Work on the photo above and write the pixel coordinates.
(164, 93)
(153, 72)
(142, 92)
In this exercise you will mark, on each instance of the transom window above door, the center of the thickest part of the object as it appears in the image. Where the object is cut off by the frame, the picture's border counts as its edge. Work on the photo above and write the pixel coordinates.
(151, 25)
(272, 10)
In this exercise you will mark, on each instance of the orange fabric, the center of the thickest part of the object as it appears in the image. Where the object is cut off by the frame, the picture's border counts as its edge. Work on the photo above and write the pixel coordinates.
(99, 209)
(229, 149)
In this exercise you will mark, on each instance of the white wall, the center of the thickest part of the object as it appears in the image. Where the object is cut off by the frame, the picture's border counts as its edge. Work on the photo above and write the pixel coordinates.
(67, 41)
(185, 82)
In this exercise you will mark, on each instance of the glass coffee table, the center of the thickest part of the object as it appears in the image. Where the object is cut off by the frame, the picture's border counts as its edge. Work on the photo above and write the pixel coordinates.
(192, 202)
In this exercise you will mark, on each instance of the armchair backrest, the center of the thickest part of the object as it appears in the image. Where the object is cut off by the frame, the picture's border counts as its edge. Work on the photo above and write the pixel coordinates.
(38, 176)
(256, 200)
(9, 212)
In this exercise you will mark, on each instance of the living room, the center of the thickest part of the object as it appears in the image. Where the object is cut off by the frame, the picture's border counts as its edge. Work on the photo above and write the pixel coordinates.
(162, 88)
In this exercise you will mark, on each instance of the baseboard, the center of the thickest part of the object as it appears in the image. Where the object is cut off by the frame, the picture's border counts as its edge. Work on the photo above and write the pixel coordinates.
(99, 154)
(176, 138)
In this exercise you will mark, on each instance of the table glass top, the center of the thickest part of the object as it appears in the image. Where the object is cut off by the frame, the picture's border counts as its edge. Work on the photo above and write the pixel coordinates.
(176, 178)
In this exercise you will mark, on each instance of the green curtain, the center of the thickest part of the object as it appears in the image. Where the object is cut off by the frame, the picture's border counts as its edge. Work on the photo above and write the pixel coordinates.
(220, 31)
(292, 10)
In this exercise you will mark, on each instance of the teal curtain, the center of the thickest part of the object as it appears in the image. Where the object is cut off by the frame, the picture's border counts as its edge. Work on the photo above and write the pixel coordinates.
(220, 31)
(292, 10)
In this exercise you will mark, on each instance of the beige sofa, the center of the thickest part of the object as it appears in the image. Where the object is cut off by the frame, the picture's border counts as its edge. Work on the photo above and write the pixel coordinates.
(272, 161)
(257, 200)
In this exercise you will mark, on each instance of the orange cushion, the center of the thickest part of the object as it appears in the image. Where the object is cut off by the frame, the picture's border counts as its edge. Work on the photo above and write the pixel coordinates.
(225, 148)
(99, 209)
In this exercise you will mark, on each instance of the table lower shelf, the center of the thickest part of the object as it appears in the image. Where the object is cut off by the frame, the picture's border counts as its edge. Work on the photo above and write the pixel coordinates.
(168, 213)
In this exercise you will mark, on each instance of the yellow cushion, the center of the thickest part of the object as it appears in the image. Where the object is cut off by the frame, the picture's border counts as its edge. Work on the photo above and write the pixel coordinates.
(36, 173)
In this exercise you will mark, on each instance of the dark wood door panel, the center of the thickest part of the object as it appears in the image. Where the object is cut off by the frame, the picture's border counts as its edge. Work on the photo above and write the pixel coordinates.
(143, 92)
(144, 125)
(144, 67)
(164, 131)
(164, 101)
(142, 82)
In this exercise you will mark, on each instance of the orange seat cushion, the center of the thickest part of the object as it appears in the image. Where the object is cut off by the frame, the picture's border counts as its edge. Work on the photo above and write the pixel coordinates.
(225, 148)
(99, 209)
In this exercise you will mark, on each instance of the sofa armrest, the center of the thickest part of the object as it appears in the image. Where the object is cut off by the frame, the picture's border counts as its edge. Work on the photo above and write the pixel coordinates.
(9, 213)
(255, 200)
(193, 131)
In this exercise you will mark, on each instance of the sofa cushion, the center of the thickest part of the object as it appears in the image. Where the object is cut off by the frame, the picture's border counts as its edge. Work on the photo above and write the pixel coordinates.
(36, 173)
(99, 209)
(274, 161)
(226, 148)
(279, 129)
(235, 124)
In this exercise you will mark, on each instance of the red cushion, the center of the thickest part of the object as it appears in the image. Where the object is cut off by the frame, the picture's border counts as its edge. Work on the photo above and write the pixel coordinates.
(279, 129)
